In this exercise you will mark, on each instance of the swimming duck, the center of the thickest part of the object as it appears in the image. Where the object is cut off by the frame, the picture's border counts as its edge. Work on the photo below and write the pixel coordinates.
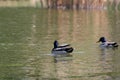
(106, 44)
(61, 49)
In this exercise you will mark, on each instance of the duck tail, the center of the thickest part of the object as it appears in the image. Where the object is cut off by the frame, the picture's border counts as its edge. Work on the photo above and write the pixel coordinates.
(115, 44)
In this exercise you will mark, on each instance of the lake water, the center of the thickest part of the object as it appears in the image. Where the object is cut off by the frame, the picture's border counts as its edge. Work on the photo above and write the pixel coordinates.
(26, 40)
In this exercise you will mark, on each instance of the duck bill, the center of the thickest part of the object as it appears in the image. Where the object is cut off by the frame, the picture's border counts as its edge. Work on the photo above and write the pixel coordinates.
(97, 41)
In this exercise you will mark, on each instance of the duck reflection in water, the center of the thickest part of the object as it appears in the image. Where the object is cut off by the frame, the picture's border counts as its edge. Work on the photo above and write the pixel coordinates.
(63, 58)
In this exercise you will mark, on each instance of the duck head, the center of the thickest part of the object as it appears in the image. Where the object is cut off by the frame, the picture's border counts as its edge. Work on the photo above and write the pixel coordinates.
(102, 39)
(55, 44)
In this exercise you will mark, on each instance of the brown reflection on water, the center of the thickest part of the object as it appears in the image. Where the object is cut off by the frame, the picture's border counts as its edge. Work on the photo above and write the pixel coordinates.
(101, 27)
(82, 29)
(86, 27)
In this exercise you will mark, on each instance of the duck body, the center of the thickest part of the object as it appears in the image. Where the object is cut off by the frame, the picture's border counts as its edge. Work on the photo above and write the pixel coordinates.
(61, 49)
(106, 44)
(109, 45)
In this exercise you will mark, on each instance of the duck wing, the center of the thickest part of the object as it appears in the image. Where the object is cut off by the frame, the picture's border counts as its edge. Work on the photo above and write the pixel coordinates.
(64, 45)
(114, 44)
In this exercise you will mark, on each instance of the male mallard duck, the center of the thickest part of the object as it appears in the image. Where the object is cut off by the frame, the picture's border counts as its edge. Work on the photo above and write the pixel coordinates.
(61, 49)
(106, 44)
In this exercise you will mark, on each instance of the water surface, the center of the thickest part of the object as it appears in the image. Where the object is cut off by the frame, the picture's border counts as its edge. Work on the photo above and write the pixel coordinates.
(26, 40)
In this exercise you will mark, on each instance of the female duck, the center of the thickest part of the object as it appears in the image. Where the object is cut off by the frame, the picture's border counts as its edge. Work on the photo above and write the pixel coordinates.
(106, 44)
(61, 49)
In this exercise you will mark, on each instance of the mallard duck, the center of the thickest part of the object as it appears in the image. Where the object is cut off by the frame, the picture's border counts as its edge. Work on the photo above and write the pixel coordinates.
(106, 44)
(61, 49)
